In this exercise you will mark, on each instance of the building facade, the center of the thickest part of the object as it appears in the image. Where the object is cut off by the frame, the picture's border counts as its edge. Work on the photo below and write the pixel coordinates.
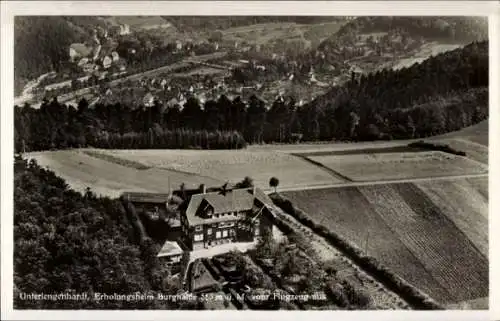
(239, 215)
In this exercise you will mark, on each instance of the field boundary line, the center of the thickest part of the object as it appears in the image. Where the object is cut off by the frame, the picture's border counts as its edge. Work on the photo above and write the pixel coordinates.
(117, 160)
(185, 173)
(332, 172)
(466, 141)
(480, 164)
(107, 157)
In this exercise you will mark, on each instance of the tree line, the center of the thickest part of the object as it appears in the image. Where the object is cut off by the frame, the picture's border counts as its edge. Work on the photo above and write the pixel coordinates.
(444, 93)
(68, 242)
(57, 126)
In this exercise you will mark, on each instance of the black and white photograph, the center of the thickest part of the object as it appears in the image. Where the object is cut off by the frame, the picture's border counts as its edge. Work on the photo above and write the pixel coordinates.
(250, 162)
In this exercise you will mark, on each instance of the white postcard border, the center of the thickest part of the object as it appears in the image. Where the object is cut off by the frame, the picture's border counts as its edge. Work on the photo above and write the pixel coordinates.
(416, 8)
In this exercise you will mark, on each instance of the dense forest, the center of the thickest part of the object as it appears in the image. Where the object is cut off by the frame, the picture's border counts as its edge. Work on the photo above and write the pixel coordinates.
(444, 29)
(57, 126)
(65, 240)
(444, 93)
(41, 44)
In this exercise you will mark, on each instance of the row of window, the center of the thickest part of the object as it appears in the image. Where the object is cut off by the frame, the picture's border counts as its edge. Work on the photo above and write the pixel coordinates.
(222, 234)
(240, 225)
(199, 228)
(218, 234)
(222, 214)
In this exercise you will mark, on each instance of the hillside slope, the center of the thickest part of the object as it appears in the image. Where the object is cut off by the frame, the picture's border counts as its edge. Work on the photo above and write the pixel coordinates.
(65, 240)
(444, 93)
(41, 43)
(445, 29)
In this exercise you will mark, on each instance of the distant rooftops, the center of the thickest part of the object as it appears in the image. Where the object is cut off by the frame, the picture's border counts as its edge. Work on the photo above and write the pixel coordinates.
(81, 49)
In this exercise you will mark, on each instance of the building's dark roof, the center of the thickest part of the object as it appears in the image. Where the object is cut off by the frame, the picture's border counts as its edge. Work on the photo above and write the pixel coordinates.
(237, 200)
(230, 201)
(170, 248)
(200, 277)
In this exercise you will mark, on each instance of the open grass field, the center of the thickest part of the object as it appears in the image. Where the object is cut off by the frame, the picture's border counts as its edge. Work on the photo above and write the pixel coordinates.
(232, 165)
(476, 133)
(110, 172)
(263, 33)
(310, 35)
(392, 166)
(305, 147)
(140, 22)
(473, 150)
(110, 178)
(428, 50)
(203, 71)
(417, 230)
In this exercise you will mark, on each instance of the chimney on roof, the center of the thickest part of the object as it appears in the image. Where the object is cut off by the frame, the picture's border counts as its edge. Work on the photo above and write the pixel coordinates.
(253, 190)
(203, 189)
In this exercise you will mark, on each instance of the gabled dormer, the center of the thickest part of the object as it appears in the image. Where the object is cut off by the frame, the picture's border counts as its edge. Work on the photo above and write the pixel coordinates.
(206, 210)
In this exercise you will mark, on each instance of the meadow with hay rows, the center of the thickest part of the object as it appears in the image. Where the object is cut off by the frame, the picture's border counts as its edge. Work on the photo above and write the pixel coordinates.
(110, 172)
(417, 230)
(232, 165)
(390, 166)
(110, 178)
